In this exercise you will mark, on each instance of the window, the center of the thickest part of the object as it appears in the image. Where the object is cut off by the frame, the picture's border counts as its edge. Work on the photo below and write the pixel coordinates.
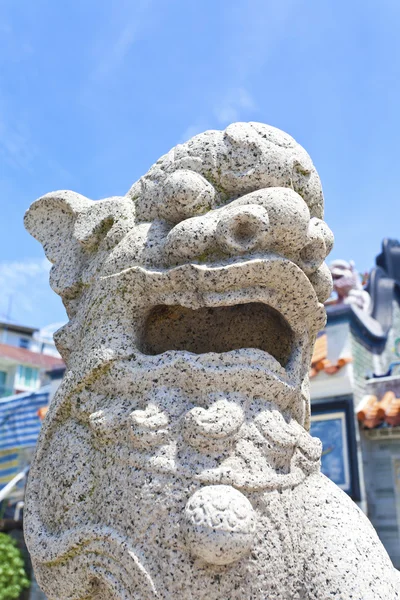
(23, 343)
(4, 391)
(3, 379)
(28, 376)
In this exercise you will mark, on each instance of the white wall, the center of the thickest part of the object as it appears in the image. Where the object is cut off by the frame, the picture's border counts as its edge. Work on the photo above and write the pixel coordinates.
(12, 338)
(44, 348)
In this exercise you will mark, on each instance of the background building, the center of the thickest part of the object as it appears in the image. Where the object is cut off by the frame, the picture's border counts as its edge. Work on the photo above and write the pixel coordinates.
(26, 354)
(355, 391)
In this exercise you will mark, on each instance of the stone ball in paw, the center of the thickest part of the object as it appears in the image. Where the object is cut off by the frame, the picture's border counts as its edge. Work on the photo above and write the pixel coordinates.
(219, 524)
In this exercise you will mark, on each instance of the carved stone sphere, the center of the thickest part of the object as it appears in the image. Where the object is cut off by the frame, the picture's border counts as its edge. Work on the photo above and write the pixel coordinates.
(219, 524)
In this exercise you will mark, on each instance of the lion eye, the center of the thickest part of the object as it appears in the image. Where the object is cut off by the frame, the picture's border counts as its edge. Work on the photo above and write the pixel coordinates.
(185, 194)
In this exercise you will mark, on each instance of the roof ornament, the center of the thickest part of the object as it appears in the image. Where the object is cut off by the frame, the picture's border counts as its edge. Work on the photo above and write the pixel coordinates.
(347, 285)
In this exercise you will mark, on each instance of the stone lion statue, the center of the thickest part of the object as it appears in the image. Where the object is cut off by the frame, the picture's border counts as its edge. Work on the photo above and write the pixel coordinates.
(175, 461)
(347, 285)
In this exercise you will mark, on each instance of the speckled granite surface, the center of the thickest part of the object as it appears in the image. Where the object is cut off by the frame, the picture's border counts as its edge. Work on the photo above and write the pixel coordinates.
(175, 461)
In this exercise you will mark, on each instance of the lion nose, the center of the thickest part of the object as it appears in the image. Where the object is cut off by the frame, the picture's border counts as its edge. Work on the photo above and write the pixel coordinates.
(243, 228)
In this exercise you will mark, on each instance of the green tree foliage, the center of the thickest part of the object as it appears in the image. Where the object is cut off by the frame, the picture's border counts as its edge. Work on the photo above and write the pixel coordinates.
(13, 578)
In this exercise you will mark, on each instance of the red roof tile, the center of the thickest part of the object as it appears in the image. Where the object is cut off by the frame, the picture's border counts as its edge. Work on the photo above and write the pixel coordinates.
(27, 357)
(371, 412)
(319, 361)
(320, 349)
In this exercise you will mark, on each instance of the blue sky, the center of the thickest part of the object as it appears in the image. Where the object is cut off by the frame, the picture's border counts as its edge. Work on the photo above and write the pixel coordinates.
(93, 92)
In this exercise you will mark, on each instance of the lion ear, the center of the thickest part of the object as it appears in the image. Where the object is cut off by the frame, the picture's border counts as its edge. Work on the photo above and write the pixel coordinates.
(51, 221)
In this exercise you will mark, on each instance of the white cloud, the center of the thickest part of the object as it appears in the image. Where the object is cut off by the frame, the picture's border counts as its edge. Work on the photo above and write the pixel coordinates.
(16, 147)
(24, 286)
(260, 30)
(126, 25)
(116, 52)
(235, 105)
(14, 271)
(193, 130)
(236, 102)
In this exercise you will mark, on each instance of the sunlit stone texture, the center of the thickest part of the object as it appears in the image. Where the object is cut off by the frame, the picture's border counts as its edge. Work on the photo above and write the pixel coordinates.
(175, 461)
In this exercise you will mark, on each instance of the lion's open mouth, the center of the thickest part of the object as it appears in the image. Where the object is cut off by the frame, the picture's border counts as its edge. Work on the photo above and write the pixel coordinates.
(217, 329)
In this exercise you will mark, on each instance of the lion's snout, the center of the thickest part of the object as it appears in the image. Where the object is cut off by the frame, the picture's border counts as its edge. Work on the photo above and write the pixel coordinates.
(271, 220)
